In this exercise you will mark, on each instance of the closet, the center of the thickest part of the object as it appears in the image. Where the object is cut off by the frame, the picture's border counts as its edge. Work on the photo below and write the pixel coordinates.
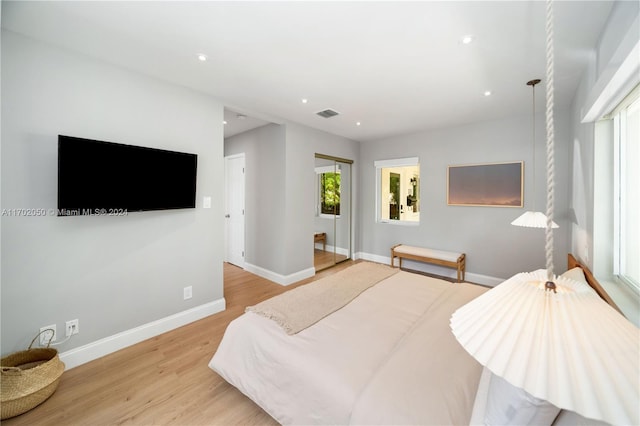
(332, 221)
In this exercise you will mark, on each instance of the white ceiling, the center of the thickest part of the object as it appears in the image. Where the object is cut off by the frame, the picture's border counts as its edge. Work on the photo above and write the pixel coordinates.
(236, 122)
(396, 67)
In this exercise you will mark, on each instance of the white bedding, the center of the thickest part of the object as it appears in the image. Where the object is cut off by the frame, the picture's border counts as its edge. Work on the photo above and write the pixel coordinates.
(387, 357)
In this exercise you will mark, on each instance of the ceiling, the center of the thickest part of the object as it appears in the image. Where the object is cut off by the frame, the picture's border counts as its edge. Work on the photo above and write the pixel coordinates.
(394, 67)
(236, 122)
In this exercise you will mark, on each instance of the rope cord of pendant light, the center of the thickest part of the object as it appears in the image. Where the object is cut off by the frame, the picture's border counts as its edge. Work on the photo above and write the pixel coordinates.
(550, 140)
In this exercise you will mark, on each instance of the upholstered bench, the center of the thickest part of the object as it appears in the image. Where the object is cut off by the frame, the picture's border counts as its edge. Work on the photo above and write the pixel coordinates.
(437, 257)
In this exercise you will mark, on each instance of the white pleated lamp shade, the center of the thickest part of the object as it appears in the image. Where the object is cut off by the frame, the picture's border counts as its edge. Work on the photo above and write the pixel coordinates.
(570, 348)
(531, 219)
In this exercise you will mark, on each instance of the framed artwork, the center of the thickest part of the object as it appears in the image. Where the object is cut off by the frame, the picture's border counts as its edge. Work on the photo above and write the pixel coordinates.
(493, 184)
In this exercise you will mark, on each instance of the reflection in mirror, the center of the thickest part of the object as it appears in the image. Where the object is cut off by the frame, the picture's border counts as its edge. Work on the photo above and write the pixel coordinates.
(329, 181)
(332, 222)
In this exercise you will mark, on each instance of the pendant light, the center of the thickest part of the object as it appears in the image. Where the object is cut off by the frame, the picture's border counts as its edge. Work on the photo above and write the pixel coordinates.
(533, 219)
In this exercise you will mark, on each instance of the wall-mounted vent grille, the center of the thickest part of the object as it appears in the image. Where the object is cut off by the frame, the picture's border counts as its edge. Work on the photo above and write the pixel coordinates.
(327, 113)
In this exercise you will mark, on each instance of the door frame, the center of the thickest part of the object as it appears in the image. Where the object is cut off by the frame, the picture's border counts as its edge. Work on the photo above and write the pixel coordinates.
(234, 186)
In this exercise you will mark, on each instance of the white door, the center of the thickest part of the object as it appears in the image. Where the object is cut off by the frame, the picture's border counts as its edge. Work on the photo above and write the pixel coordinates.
(234, 209)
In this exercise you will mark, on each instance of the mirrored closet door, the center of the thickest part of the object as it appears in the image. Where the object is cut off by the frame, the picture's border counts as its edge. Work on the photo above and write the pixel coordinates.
(332, 221)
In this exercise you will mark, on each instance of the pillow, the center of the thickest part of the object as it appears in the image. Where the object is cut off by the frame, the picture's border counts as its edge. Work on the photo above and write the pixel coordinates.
(480, 402)
(570, 418)
(510, 405)
(576, 274)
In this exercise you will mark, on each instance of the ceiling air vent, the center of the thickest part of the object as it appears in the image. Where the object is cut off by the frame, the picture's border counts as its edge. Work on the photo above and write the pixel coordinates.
(327, 113)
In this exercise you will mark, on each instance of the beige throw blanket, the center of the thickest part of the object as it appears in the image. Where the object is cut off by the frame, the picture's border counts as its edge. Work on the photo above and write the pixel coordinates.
(302, 307)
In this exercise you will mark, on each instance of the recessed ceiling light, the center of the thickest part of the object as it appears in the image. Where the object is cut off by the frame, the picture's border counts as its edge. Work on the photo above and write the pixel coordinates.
(487, 92)
(305, 100)
(468, 39)
(357, 123)
(224, 121)
(202, 57)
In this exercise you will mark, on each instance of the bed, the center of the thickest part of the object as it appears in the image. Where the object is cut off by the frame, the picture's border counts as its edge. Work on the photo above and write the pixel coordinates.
(386, 357)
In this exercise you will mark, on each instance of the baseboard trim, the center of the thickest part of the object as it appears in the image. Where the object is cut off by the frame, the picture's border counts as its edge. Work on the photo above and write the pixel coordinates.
(278, 278)
(483, 279)
(338, 250)
(89, 352)
(373, 257)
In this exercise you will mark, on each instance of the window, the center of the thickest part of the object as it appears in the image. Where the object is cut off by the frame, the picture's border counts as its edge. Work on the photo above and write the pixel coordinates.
(626, 131)
(329, 190)
(398, 191)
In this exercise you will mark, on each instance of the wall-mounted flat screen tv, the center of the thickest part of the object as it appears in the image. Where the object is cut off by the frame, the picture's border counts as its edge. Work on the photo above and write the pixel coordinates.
(96, 177)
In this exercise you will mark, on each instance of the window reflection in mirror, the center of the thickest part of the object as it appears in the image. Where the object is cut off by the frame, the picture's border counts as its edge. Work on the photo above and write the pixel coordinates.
(329, 192)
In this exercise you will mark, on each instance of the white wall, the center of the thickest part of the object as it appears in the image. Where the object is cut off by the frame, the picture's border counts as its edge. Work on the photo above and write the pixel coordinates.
(280, 188)
(112, 273)
(484, 233)
(264, 194)
(611, 50)
(495, 249)
(302, 145)
(604, 83)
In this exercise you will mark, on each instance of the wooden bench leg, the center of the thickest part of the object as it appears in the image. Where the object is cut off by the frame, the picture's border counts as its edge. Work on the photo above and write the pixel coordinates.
(393, 255)
(461, 267)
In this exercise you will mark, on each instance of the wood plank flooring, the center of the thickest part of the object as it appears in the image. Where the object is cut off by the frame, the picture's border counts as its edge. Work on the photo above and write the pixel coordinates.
(164, 380)
(326, 259)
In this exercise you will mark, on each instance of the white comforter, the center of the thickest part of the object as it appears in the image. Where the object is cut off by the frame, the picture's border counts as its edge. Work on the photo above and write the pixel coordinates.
(387, 357)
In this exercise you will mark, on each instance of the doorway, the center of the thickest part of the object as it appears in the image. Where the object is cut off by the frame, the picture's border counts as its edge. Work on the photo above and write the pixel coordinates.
(234, 172)
(332, 221)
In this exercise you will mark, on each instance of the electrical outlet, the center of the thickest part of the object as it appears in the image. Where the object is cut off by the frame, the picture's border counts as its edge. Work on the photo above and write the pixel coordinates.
(44, 337)
(187, 293)
(72, 327)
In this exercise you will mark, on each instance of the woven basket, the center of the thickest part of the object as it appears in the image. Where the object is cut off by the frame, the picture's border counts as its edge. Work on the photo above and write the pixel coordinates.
(28, 378)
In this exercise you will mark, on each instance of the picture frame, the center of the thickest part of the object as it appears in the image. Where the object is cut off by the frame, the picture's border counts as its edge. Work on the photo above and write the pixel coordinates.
(486, 185)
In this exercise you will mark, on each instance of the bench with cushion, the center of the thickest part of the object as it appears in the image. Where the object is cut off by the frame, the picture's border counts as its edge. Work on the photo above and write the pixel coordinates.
(437, 257)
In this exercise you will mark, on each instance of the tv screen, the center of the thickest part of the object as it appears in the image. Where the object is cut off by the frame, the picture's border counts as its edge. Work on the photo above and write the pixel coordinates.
(96, 177)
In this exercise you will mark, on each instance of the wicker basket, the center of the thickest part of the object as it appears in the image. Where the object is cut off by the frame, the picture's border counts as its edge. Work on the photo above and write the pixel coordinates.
(28, 378)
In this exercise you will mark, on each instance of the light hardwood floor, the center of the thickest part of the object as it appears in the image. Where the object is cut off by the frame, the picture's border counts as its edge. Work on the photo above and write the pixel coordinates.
(164, 380)
(326, 259)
